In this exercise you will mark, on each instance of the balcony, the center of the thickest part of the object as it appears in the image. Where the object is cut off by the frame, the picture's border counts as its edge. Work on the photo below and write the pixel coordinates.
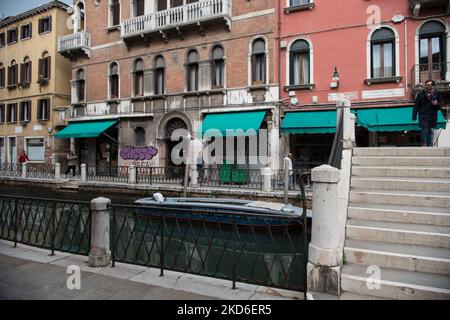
(417, 5)
(193, 14)
(73, 44)
(439, 72)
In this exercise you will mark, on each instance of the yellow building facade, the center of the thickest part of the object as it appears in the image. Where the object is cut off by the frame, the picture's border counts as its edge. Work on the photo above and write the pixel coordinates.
(34, 84)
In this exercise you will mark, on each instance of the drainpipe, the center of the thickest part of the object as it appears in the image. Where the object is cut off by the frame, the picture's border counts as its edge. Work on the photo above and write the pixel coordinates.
(279, 70)
(406, 59)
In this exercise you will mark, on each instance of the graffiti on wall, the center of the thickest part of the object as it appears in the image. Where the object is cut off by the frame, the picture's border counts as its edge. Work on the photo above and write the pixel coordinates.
(138, 153)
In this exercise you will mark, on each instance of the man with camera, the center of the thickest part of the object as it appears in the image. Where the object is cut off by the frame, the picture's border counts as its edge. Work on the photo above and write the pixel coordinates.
(427, 105)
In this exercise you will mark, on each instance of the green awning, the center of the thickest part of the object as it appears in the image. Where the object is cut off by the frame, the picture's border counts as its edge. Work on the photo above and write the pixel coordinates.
(90, 129)
(232, 123)
(309, 122)
(392, 119)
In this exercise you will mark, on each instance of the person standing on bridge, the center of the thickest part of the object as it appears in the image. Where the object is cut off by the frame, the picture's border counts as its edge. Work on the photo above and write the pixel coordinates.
(427, 104)
(23, 157)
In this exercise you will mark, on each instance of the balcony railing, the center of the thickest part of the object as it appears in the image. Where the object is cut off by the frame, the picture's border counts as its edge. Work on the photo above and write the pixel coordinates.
(183, 15)
(77, 41)
(439, 72)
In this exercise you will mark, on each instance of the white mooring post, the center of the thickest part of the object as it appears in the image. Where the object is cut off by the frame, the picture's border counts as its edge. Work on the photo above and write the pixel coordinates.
(24, 169)
(267, 179)
(57, 171)
(83, 172)
(132, 174)
(194, 176)
(323, 270)
(100, 254)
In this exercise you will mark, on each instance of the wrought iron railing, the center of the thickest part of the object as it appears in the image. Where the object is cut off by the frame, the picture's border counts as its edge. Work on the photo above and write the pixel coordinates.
(301, 178)
(74, 41)
(160, 175)
(335, 157)
(190, 13)
(439, 72)
(10, 169)
(269, 250)
(226, 176)
(46, 223)
(107, 173)
(40, 170)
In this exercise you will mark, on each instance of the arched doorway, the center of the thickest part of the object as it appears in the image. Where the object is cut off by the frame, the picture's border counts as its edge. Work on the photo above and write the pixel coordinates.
(176, 170)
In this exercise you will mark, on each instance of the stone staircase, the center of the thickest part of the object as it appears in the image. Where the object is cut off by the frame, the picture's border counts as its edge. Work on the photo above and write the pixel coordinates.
(398, 220)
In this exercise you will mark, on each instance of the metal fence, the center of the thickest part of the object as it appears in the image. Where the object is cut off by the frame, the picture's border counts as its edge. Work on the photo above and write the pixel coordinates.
(301, 178)
(46, 223)
(107, 173)
(160, 175)
(230, 177)
(10, 169)
(267, 250)
(41, 170)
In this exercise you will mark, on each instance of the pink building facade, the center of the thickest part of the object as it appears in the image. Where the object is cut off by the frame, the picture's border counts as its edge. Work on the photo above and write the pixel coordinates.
(375, 53)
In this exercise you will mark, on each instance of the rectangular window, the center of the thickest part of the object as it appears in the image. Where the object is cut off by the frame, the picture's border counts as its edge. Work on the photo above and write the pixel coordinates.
(25, 111)
(43, 110)
(25, 31)
(25, 73)
(259, 68)
(13, 75)
(2, 39)
(45, 68)
(2, 113)
(2, 77)
(383, 60)
(45, 24)
(11, 114)
(12, 36)
(35, 149)
(299, 68)
(115, 12)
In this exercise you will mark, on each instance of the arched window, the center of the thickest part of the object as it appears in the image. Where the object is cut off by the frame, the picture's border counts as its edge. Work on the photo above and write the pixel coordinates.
(432, 60)
(81, 85)
(113, 81)
(217, 67)
(139, 134)
(13, 74)
(138, 71)
(299, 63)
(79, 16)
(25, 72)
(44, 68)
(383, 53)
(259, 61)
(192, 71)
(160, 66)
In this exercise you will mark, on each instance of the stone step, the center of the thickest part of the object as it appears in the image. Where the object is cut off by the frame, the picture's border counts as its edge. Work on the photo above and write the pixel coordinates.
(397, 183)
(394, 284)
(401, 161)
(402, 214)
(402, 171)
(410, 198)
(403, 151)
(398, 256)
(401, 233)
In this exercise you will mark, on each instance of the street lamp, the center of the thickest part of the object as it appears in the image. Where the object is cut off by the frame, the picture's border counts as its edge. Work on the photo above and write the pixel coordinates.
(335, 80)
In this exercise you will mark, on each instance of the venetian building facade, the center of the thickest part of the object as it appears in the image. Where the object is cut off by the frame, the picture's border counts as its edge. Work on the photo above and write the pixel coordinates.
(375, 53)
(144, 68)
(34, 84)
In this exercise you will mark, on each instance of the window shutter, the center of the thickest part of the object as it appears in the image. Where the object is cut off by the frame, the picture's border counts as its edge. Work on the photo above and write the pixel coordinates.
(50, 23)
(253, 68)
(29, 71)
(29, 111)
(39, 113)
(40, 25)
(2, 77)
(49, 67)
(47, 110)
(16, 74)
(31, 29)
(22, 73)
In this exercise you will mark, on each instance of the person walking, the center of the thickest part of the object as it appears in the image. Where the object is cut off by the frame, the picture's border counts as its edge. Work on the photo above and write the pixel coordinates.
(71, 163)
(427, 104)
(291, 171)
(23, 157)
